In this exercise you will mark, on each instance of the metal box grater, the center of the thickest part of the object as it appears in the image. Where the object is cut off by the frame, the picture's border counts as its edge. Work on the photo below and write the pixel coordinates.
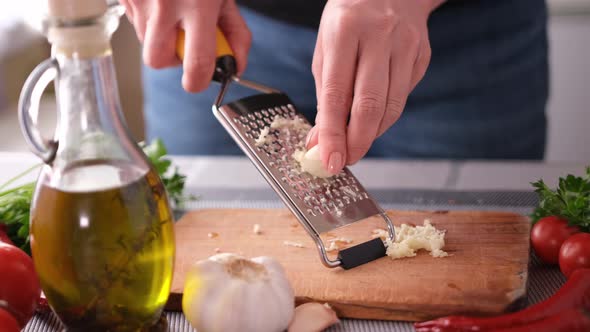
(319, 204)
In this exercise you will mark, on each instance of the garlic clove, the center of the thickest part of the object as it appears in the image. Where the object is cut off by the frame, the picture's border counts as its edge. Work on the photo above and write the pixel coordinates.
(311, 163)
(312, 317)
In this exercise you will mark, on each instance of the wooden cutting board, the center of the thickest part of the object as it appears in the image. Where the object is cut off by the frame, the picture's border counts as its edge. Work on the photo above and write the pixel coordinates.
(486, 272)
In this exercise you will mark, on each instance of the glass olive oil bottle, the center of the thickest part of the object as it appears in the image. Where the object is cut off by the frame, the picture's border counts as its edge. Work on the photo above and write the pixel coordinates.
(102, 235)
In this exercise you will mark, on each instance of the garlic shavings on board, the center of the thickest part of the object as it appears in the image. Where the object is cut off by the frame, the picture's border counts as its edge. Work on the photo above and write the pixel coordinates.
(337, 243)
(340, 239)
(256, 229)
(332, 247)
(293, 244)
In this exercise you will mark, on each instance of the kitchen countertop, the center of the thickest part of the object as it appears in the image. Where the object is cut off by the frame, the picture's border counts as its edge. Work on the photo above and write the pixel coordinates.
(239, 173)
(234, 182)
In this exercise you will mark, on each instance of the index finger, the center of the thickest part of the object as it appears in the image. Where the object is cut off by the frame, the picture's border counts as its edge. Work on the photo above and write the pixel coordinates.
(199, 49)
(338, 68)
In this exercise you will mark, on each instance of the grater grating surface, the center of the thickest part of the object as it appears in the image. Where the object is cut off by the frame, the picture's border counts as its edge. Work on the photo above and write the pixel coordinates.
(320, 204)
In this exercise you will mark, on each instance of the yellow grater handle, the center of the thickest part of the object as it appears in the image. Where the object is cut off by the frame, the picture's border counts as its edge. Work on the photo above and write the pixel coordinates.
(223, 47)
(225, 64)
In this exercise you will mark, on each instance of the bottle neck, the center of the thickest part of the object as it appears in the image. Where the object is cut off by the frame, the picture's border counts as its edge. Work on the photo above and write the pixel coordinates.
(91, 131)
(91, 125)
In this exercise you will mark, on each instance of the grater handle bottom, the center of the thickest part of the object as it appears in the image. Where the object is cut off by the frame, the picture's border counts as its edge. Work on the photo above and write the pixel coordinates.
(361, 253)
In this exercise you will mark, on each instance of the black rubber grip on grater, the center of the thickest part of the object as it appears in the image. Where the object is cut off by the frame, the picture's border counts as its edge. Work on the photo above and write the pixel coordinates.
(361, 253)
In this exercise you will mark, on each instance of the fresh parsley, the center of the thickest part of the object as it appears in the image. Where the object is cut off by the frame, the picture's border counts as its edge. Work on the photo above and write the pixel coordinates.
(172, 179)
(570, 200)
(14, 213)
(15, 202)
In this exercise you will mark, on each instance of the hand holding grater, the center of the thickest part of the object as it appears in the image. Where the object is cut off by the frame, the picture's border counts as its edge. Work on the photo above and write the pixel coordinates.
(319, 204)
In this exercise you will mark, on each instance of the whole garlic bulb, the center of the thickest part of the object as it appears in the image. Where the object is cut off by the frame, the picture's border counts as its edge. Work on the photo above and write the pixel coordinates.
(228, 292)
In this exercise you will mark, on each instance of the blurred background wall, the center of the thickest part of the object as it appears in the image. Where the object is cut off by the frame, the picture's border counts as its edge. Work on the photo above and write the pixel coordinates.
(18, 60)
(569, 107)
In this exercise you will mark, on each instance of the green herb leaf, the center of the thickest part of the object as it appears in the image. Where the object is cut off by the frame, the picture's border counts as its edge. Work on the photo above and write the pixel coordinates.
(155, 151)
(570, 200)
(173, 180)
(14, 212)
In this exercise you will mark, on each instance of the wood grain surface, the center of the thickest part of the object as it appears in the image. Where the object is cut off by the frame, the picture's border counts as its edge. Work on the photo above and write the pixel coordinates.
(486, 272)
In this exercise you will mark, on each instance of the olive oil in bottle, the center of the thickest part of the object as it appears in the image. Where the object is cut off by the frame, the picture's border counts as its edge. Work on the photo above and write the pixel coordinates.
(104, 257)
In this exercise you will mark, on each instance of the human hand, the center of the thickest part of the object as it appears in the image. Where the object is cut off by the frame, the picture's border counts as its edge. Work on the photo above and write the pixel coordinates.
(369, 56)
(156, 23)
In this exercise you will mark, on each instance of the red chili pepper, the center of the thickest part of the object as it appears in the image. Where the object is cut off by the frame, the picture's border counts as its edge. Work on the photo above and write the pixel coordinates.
(570, 320)
(575, 293)
(3, 234)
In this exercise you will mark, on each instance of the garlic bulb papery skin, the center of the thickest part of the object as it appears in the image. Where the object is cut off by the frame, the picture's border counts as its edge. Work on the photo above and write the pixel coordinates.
(228, 292)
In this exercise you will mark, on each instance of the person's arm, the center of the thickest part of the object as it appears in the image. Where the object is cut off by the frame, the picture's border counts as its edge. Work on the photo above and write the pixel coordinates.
(369, 56)
(157, 22)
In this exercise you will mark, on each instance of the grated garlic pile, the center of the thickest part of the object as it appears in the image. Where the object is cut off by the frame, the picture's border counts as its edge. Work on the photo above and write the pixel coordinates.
(410, 239)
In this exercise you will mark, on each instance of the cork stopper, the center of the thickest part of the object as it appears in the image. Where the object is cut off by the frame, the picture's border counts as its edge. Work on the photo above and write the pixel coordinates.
(76, 9)
(78, 41)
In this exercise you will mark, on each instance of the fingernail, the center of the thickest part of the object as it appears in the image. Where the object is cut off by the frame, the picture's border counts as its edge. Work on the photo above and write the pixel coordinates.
(335, 162)
(308, 138)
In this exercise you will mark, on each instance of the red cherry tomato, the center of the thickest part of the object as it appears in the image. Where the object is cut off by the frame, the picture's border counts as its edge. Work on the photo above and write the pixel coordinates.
(19, 284)
(7, 322)
(547, 236)
(574, 253)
